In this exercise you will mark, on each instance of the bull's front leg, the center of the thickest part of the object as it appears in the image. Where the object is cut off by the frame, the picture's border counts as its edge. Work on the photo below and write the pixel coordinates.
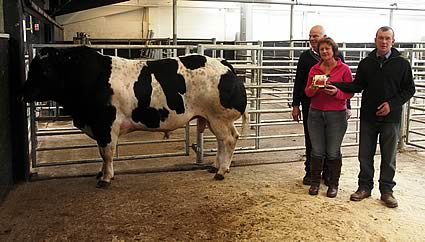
(226, 140)
(107, 172)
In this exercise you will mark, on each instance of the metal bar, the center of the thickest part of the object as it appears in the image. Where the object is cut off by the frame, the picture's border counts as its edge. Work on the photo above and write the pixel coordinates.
(416, 107)
(416, 145)
(212, 138)
(33, 131)
(160, 47)
(418, 120)
(118, 145)
(309, 4)
(122, 158)
(187, 139)
(417, 133)
(245, 150)
(199, 143)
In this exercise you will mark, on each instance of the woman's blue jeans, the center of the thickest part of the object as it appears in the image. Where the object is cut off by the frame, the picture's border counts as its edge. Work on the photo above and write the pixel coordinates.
(327, 130)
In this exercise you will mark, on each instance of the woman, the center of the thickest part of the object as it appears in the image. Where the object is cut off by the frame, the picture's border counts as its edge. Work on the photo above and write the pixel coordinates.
(327, 120)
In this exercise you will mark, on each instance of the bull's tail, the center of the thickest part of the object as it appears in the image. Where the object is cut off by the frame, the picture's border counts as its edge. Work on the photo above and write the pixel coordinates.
(245, 123)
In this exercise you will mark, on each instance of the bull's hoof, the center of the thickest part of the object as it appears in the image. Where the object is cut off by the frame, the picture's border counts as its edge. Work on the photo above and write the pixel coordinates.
(218, 177)
(99, 175)
(102, 184)
(212, 169)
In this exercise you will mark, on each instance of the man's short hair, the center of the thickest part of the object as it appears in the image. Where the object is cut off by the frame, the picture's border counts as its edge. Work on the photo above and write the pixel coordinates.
(385, 29)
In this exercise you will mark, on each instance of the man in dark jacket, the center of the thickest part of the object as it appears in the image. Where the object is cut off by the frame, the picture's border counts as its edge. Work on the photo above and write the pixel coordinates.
(308, 59)
(386, 80)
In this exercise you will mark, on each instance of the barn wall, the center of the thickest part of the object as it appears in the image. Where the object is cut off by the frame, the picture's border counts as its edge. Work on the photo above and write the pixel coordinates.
(6, 178)
(219, 23)
(124, 22)
(106, 22)
(269, 22)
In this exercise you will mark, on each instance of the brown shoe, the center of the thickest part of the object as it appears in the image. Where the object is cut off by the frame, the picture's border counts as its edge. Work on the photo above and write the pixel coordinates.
(314, 189)
(307, 180)
(359, 195)
(389, 199)
(332, 191)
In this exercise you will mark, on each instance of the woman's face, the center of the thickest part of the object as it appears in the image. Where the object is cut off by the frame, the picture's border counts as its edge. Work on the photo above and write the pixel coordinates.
(325, 51)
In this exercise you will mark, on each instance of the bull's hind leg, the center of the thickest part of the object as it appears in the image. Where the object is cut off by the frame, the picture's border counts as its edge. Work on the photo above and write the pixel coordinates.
(227, 136)
(107, 173)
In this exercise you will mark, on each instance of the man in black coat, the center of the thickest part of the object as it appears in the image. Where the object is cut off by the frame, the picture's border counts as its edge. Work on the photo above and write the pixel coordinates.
(386, 80)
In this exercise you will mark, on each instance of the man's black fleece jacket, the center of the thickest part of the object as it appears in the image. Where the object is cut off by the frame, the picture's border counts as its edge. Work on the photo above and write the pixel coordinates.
(389, 81)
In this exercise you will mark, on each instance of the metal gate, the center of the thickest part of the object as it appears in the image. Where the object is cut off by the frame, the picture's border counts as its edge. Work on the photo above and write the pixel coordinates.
(415, 118)
(50, 129)
(268, 73)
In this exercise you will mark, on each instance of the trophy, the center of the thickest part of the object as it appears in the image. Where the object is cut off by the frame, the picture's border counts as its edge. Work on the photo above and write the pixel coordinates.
(320, 81)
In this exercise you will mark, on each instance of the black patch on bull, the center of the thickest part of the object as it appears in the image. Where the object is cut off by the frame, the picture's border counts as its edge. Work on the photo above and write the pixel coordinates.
(232, 92)
(90, 92)
(173, 85)
(193, 61)
(84, 90)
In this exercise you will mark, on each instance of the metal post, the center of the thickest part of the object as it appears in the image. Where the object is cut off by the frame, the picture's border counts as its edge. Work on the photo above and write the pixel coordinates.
(175, 25)
(199, 143)
(255, 79)
(33, 136)
(401, 140)
(405, 113)
(199, 132)
(393, 5)
(291, 23)
(187, 138)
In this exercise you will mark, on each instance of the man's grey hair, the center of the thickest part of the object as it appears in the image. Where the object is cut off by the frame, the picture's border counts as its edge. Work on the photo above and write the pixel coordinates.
(322, 29)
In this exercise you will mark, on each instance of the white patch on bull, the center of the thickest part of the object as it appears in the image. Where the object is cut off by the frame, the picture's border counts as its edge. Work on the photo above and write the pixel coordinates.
(196, 84)
(158, 98)
(124, 74)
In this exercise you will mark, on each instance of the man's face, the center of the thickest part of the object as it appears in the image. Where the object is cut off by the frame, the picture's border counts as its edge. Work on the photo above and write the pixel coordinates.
(314, 36)
(384, 40)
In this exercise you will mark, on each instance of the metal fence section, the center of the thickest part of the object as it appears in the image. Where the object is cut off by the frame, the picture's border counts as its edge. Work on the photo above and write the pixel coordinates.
(268, 72)
(43, 114)
(415, 117)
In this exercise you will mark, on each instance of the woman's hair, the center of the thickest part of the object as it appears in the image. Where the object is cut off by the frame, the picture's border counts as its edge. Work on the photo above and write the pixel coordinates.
(329, 41)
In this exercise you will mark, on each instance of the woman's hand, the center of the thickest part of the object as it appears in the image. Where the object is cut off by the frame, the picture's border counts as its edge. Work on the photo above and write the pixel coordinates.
(331, 90)
(314, 88)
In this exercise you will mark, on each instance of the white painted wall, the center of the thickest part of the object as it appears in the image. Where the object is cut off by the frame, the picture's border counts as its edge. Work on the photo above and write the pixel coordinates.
(200, 23)
(222, 21)
(104, 22)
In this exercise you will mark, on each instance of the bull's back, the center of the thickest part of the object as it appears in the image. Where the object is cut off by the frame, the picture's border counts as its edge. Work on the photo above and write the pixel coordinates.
(168, 93)
(212, 86)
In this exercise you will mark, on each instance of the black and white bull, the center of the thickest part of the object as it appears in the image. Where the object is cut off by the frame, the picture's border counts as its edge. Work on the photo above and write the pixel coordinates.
(110, 96)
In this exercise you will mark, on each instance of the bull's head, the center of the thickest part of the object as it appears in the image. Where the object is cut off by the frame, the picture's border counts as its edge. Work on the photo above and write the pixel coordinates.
(45, 77)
